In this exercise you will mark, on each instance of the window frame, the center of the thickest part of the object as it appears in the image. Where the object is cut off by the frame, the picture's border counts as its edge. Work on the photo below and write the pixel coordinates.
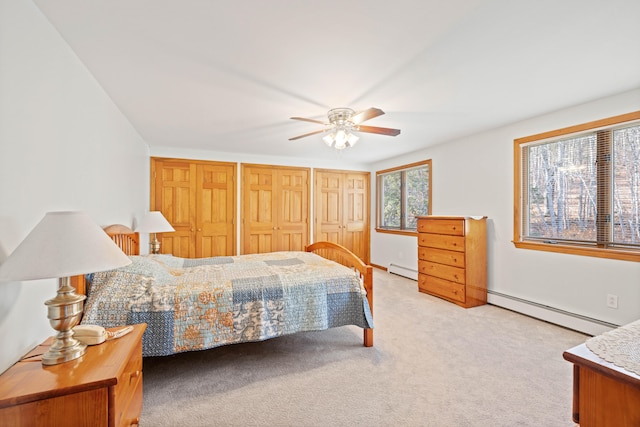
(520, 201)
(379, 189)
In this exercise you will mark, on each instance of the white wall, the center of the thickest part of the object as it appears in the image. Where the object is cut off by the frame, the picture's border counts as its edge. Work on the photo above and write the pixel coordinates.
(63, 146)
(474, 176)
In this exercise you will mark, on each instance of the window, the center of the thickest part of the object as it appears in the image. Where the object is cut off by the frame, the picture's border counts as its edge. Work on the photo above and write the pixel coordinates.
(402, 194)
(579, 189)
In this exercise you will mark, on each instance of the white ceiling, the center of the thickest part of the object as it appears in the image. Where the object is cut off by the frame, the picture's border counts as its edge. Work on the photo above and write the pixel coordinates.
(227, 75)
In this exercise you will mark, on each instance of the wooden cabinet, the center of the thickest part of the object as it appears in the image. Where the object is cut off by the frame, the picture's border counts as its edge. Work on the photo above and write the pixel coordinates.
(101, 388)
(603, 394)
(275, 208)
(198, 198)
(342, 209)
(452, 258)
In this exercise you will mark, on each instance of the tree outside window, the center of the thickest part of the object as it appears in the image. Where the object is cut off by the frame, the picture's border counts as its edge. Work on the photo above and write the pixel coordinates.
(403, 194)
(579, 189)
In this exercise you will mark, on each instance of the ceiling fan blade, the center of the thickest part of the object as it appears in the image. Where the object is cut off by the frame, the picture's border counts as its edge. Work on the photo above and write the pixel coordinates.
(304, 119)
(367, 114)
(381, 131)
(306, 134)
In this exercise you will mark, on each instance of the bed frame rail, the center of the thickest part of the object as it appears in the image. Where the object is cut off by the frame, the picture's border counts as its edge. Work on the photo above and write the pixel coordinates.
(344, 256)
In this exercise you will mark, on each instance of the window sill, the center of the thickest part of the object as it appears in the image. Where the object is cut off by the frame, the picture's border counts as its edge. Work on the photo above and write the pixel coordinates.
(624, 255)
(398, 232)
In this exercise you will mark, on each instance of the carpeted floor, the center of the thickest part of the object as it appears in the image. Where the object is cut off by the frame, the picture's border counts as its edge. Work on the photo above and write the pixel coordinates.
(433, 364)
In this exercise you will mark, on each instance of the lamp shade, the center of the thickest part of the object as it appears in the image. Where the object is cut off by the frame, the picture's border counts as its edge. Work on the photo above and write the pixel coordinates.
(154, 222)
(63, 244)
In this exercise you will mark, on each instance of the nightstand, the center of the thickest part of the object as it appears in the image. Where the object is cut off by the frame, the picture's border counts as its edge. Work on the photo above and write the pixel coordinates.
(101, 388)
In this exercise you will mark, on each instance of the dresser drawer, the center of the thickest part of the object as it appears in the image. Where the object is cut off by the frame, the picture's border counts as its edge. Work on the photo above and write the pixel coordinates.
(454, 274)
(129, 383)
(84, 409)
(441, 256)
(441, 241)
(131, 415)
(440, 287)
(453, 227)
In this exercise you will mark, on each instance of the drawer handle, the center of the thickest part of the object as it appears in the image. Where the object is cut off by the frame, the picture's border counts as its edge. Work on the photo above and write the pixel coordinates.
(135, 422)
(134, 375)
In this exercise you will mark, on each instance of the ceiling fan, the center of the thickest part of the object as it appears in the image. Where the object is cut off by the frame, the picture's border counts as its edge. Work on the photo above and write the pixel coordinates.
(344, 121)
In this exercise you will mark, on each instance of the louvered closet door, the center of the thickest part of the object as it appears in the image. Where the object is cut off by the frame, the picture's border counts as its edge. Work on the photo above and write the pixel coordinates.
(215, 201)
(175, 197)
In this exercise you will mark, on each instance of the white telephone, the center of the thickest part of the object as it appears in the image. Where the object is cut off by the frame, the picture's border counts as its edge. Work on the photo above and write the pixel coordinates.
(94, 334)
(90, 334)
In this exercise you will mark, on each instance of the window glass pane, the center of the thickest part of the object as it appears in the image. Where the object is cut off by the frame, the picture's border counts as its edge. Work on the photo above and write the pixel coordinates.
(417, 195)
(391, 200)
(626, 181)
(561, 188)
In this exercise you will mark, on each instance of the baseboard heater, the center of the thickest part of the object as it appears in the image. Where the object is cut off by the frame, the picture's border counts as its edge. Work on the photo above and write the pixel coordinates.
(403, 271)
(550, 314)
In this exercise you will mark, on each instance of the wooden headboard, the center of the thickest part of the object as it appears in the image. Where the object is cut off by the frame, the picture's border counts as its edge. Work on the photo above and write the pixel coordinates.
(126, 239)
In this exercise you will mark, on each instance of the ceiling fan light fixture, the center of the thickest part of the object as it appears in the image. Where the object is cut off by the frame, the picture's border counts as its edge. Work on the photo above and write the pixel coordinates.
(344, 121)
(340, 147)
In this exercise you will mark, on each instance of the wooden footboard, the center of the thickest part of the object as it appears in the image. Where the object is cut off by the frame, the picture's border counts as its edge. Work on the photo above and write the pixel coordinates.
(344, 256)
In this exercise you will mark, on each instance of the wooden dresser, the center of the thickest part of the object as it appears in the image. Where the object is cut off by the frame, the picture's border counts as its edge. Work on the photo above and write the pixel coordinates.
(452, 258)
(101, 388)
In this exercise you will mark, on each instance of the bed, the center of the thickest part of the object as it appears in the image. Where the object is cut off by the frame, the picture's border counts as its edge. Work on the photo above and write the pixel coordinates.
(197, 304)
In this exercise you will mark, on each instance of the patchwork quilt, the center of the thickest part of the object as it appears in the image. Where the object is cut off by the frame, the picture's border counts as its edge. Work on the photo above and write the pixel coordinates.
(195, 304)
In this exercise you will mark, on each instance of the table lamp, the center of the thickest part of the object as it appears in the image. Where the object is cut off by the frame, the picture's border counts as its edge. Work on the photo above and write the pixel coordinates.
(63, 244)
(154, 222)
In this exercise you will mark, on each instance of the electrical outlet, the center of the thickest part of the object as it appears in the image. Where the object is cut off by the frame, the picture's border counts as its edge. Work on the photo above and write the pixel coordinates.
(612, 301)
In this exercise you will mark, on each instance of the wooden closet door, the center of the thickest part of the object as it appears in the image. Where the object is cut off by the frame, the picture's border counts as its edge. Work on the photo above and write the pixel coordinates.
(215, 201)
(258, 213)
(174, 195)
(275, 208)
(328, 207)
(293, 209)
(198, 198)
(342, 210)
(355, 230)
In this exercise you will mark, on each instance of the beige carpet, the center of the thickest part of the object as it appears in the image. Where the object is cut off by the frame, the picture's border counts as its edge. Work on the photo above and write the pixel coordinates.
(433, 364)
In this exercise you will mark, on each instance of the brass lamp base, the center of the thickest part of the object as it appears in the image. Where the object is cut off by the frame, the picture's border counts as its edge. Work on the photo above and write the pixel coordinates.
(64, 312)
(154, 245)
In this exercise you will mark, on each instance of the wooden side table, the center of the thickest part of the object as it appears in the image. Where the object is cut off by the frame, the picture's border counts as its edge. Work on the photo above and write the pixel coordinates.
(101, 388)
(603, 394)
